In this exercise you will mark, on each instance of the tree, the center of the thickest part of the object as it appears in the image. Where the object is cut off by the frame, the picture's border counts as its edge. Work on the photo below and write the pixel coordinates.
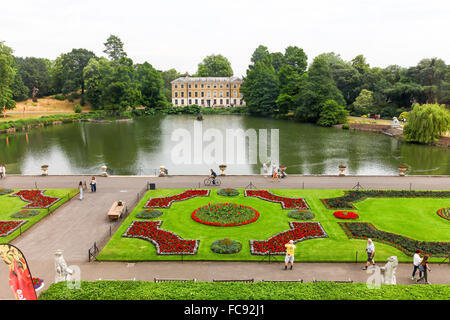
(214, 66)
(168, 76)
(285, 103)
(426, 123)
(363, 102)
(360, 64)
(277, 60)
(114, 48)
(260, 54)
(260, 88)
(19, 91)
(35, 72)
(332, 113)
(7, 74)
(150, 84)
(296, 58)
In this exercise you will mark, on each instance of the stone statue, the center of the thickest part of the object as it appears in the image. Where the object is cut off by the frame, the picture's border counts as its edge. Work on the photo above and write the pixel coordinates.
(395, 122)
(63, 273)
(199, 116)
(388, 271)
(34, 94)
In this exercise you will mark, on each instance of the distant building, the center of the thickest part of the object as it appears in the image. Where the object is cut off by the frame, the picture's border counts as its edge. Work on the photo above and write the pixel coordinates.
(207, 91)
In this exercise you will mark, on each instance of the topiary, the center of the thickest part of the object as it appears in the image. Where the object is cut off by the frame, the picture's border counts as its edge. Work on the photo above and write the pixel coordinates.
(25, 213)
(149, 214)
(228, 192)
(226, 246)
(301, 215)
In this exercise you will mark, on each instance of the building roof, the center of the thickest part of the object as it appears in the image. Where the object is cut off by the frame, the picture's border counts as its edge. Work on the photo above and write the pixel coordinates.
(205, 79)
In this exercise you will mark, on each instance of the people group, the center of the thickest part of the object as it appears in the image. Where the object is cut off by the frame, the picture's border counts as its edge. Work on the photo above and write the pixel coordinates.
(275, 171)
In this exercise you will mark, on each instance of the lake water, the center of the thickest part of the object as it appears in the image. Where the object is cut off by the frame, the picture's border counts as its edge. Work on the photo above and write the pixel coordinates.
(140, 146)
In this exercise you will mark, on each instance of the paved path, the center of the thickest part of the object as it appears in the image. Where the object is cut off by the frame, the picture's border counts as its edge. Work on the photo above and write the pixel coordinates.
(76, 225)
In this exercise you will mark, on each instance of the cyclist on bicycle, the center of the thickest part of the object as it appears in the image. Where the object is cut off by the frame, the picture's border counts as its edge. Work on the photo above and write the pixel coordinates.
(213, 176)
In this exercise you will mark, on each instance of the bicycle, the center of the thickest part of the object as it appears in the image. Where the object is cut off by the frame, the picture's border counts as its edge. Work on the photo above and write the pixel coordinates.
(209, 181)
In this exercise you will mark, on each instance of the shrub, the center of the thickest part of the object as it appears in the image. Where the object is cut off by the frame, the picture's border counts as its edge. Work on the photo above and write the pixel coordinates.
(60, 97)
(77, 108)
(345, 126)
(149, 214)
(25, 213)
(226, 246)
(228, 192)
(301, 215)
(70, 99)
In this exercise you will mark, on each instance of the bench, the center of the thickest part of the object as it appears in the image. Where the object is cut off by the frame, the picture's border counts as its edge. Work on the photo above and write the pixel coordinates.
(299, 280)
(335, 281)
(116, 211)
(244, 280)
(172, 280)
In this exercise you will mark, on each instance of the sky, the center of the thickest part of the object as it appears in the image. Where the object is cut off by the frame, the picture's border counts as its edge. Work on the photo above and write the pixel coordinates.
(180, 34)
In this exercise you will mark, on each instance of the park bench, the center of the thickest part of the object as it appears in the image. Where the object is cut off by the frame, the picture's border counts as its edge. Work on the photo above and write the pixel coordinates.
(116, 211)
(299, 280)
(156, 280)
(242, 280)
(335, 281)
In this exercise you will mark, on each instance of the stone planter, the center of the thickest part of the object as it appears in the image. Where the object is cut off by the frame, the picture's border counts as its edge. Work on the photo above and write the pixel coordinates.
(222, 168)
(402, 171)
(342, 170)
(104, 173)
(44, 169)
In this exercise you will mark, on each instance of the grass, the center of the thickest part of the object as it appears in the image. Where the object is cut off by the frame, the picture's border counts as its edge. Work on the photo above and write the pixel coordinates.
(414, 218)
(10, 205)
(140, 290)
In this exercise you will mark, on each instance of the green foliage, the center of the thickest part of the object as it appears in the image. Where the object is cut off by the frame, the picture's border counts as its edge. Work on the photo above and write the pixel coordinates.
(226, 246)
(363, 103)
(7, 74)
(150, 84)
(331, 113)
(25, 213)
(301, 215)
(77, 108)
(114, 48)
(214, 66)
(345, 127)
(140, 290)
(426, 123)
(5, 191)
(60, 97)
(228, 192)
(403, 116)
(149, 214)
(36, 72)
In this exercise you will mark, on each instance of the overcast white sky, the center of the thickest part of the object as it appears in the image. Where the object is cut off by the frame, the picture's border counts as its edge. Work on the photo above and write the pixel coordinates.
(179, 33)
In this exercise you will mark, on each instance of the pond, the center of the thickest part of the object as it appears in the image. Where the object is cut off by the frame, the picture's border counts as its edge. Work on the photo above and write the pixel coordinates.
(141, 146)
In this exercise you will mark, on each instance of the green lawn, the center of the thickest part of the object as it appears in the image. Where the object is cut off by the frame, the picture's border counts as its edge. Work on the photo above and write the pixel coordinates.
(414, 218)
(11, 205)
(140, 290)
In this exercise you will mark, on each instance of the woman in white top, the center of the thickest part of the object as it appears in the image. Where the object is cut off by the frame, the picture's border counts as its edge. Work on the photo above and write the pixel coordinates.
(2, 171)
(416, 262)
(80, 189)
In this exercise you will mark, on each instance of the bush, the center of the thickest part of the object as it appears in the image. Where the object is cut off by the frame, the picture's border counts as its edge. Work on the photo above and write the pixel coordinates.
(25, 213)
(77, 108)
(301, 215)
(228, 192)
(149, 214)
(60, 97)
(345, 126)
(226, 246)
(70, 99)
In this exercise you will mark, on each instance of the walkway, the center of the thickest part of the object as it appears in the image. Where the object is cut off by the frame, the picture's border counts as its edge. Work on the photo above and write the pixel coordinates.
(76, 225)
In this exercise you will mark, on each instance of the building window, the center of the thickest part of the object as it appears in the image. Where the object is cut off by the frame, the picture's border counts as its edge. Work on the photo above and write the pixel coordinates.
(228, 101)
(208, 94)
(228, 85)
(189, 86)
(215, 101)
(182, 94)
(234, 86)
(176, 94)
(176, 86)
(196, 94)
(221, 101)
(182, 101)
(215, 93)
(202, 85)
(182, 86)
(190, 101)
(235, 94)
(176, 101)
(228, 93)
(190, 94)
(203, 102)
(221, 93)
(202, 94)
(196, 101)
(209, 86)
(241, 102)
(195, 86)
(234, 101)
(221, 86)
(215, 86)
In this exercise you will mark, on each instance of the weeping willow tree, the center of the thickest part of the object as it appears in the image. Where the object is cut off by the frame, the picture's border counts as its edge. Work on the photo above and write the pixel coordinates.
(426, 123)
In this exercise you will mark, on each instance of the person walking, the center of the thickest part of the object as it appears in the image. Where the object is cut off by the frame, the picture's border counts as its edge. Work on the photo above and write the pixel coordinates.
(80, 189)
(2, 171)
(424, 267)
(275, 175)
(290, 249)
(370, 249)
(93, 184)
(416, 263)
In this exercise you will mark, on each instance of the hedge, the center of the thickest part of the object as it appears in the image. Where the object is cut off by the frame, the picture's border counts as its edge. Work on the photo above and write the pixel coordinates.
(140, 290)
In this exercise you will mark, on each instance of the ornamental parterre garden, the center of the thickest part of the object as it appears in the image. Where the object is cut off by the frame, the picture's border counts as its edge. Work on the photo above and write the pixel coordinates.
(192, 220)
(21, 209)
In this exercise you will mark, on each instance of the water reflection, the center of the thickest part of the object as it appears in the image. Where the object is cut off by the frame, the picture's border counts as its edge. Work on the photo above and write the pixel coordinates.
(140, 146)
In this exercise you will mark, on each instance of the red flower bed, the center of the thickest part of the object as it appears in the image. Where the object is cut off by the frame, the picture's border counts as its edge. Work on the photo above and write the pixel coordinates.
(286, 203)
(444, 213)
(166, 202)
(36, 198)
(166, 242)
(300, 231)
(345, 215)
(8, 227)
(225, 215)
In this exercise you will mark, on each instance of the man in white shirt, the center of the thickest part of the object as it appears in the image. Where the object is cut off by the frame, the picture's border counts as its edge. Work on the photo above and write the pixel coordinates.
(416, 262)
(2, 171)
(370, 249)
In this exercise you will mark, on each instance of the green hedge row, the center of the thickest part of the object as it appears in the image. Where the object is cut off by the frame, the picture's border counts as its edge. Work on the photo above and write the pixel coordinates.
(139, 290)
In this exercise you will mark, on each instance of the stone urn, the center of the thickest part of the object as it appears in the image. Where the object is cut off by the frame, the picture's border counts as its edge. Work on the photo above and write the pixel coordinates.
(44, 169)
(162, 171)
(104, 173)
(222, 168)
(342, 170)
(402, 170)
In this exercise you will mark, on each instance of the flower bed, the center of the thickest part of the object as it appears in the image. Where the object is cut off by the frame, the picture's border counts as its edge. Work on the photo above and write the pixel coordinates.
(166, 202)
(228, 192)
(365, 230)
(345, 215)
(149, 214)
(226, 246)
(301, 215)
(225, 215)
(286, 203)
(25, 213)
(300, 231)
(444, 213)
(36, 199)
(166, 242)
(8, 227)
(345, 202)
